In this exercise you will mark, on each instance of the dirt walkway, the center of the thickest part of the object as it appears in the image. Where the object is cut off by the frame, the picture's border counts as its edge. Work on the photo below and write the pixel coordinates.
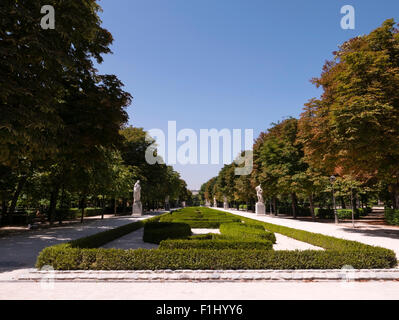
(20, 251)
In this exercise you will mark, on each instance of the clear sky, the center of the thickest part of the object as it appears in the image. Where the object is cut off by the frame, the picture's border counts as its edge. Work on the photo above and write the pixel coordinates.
(236, 64)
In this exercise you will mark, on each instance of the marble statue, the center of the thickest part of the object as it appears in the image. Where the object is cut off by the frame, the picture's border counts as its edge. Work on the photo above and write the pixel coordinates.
(260, 205)
(137, 209)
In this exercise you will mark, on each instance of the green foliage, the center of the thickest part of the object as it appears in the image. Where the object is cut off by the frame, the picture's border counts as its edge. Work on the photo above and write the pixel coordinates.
(200, 259)
(392, 216)
(246, 231)
(199, 217)
(216, 244)
(155, 232)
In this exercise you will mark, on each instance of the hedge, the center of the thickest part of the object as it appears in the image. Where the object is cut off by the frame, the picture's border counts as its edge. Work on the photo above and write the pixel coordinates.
(155, 232)
(101, 238)
(216, 244)
(392, 216)
(200, 217)
(198, 259)
(342, 213)
(246, 231)
(339, 252)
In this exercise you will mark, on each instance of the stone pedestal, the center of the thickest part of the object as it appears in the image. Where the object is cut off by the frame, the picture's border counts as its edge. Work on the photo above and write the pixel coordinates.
(225, 205)
(137, 209)
(260, 209)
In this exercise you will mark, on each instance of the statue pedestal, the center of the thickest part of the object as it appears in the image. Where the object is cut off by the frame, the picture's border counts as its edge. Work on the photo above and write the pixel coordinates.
(137, 209)
(260, 209)
(225, 205)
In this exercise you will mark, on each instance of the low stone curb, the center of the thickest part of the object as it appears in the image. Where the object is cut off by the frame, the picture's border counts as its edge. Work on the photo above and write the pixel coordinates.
(213, 275)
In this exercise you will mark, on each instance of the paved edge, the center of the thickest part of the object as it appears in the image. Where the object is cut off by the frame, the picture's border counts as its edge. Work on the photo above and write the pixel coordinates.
(210, 275)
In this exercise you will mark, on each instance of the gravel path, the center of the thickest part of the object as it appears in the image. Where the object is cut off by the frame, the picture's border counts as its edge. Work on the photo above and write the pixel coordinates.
(21, 250)
(282, 242)
(383, 236)
(286, 243)
(133, 240)
(202, 291)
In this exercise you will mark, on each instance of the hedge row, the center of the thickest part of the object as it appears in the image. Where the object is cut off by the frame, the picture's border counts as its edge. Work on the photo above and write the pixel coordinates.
(141, 259)
(199, 217)
(342, 213)
(74, 213)
(316, 239)
(155, 232)
(101, 238)
(338, 253)
(392, 216)
(216, 244)
(246, 231)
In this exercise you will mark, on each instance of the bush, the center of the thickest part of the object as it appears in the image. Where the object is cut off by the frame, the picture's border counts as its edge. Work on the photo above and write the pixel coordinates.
(392, 216)
(324, 213)
(199, 218)
(342, 213)
(155, 232)
(216, 244)
(199, 259)
(246, 231)
(75, 213)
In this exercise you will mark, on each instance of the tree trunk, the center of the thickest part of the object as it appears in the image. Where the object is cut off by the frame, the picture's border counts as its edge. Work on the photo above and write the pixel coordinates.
(103, 207)
(124, 206)
(312, 207)
(4, 207)
(18, 190)
(83, 209)
(343, 206)
(275, 206)
(53, 204)
(115, 206)
(294, 204)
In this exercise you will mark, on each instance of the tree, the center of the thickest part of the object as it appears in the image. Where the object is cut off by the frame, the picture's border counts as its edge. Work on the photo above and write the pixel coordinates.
(354, 126)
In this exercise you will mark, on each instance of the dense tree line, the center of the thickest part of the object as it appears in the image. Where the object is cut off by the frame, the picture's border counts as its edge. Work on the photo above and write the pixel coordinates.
(63, 135)
(351, 132)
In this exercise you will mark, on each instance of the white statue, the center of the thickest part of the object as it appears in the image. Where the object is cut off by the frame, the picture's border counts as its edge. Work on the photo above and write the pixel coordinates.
(215, 203)
(260, 206)
(225, 203)
(137, 208)
(259, 193)
(137, 191)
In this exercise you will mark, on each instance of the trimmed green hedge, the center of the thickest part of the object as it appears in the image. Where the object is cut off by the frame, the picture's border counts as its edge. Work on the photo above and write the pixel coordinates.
(216, 244)
(200, 217)
(155, 232)
(198, 259)
(246, 231)
(392, 216)
(338, 252)
(342, 213)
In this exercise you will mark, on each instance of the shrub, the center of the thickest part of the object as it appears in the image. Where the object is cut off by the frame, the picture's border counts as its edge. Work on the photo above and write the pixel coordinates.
(392, 216)
(246, 231)
(324, 213)
(216, 244)
(199, 259)
(155, 232)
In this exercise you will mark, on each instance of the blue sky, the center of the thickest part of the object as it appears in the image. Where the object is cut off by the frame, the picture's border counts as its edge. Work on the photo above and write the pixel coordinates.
(236, 64)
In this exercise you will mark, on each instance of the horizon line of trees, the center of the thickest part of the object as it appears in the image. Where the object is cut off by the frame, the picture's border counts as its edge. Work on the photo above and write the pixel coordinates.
(351, 132)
